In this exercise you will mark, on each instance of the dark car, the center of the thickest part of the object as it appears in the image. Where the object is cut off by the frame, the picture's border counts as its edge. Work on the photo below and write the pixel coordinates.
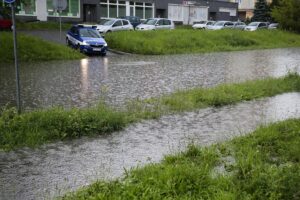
(5, 21)
(86, 39)
(133, 20)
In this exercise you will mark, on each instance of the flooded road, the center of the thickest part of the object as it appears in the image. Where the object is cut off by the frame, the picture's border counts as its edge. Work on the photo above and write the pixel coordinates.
(119, 78)
(56, 168)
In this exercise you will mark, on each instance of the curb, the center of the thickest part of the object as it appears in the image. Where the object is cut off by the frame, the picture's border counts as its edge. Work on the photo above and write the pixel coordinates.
(119, 52)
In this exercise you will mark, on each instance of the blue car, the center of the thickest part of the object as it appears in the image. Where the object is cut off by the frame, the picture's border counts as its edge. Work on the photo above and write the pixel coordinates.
(86, 39)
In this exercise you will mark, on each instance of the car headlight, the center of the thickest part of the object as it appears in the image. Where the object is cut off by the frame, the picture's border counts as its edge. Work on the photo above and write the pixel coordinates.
(84, 43)
(105, 44)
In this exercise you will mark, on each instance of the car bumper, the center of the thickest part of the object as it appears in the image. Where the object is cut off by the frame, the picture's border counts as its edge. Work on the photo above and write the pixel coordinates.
(93, 50)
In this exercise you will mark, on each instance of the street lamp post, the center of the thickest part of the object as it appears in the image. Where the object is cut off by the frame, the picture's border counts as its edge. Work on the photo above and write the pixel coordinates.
(18, 98)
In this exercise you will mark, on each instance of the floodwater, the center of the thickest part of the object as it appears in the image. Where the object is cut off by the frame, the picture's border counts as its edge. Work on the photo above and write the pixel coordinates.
(54, 169)
(117, 79)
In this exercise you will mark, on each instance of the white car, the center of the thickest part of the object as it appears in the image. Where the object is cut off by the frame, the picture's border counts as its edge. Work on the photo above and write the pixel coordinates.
(239, 25)
(220, 25)
(156, 24)
(253, 26)
(111, 25)
(202, 24)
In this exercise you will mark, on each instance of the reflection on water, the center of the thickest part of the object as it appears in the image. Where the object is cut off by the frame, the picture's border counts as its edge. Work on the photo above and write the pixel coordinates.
(80, 83)
(56, 168)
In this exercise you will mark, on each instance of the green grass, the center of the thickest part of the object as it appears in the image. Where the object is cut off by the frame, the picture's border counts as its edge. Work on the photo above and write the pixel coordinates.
(34, 49)
(42, 26)
(262, 165)
(43, 126)
(181, 41)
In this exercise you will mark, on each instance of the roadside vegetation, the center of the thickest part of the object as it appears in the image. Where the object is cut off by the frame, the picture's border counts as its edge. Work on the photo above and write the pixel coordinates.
(42, 126)
(34, 49)
(180, 41)
(42, 26)
(262, 165)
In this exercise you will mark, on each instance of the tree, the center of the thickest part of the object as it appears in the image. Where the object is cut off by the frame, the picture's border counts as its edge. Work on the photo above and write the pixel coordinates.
(261, 11)
(287, 14)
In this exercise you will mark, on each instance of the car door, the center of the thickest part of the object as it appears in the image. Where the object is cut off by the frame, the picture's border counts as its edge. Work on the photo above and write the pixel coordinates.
(167, 24)
(159, 24)
(117, 26)
(73, 35)
(126, 25)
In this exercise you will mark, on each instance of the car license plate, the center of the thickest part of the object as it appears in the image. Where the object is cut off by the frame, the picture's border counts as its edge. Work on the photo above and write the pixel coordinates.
(97, 49)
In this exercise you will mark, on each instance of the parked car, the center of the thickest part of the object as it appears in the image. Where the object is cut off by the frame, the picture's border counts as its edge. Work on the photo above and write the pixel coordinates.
(5, 22)
(202, 24)
(220, 25)
(133, 20)
(239, 25)
(111, 25)
(156, 24)
(86, 39)
(273, 26)
(253, 26)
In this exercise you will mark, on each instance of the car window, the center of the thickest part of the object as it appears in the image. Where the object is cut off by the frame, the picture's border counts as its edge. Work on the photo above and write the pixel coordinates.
(117, 23)
(261, 25)
(219, 23)
(87, 32)
(125, 22)
(106, 22)
(209, 23)
(253, 24)
(167, 22)
(228, 24)
(160, 22)
(150, 21)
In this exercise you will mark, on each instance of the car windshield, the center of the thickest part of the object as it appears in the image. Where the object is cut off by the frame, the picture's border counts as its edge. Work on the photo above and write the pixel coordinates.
(253, 24)
(219, 23)
(107, 22)
(150, 22)
(86, 32)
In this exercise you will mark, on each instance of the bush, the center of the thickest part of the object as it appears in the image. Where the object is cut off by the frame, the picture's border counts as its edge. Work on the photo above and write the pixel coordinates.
(287, 14)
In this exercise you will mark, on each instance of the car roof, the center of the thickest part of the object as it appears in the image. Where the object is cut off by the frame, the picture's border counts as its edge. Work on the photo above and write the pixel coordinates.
(159, 18)
(82, 26)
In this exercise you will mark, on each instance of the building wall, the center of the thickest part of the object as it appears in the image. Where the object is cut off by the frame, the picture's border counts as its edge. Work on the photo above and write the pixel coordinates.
(246, 8)
(80, 10)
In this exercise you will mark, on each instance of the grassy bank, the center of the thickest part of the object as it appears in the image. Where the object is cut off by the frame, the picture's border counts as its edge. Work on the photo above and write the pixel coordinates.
(42, 26)
(34, 49)
(182, 41)
(262, 165)
(42, 126)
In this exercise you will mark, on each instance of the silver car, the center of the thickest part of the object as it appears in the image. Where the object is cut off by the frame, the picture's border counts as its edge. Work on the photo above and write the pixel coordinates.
(111, 25)
(155, 24)
(220, 25)
(273, 26)
(202, 24)
(253, 26)
(239, 25)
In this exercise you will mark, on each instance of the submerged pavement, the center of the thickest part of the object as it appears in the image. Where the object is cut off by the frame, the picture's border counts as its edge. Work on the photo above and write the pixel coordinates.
(117, 79)
(54, 169)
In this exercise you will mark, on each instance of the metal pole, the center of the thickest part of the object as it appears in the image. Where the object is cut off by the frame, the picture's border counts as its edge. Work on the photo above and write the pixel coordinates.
(60, 25)
(16, 58)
